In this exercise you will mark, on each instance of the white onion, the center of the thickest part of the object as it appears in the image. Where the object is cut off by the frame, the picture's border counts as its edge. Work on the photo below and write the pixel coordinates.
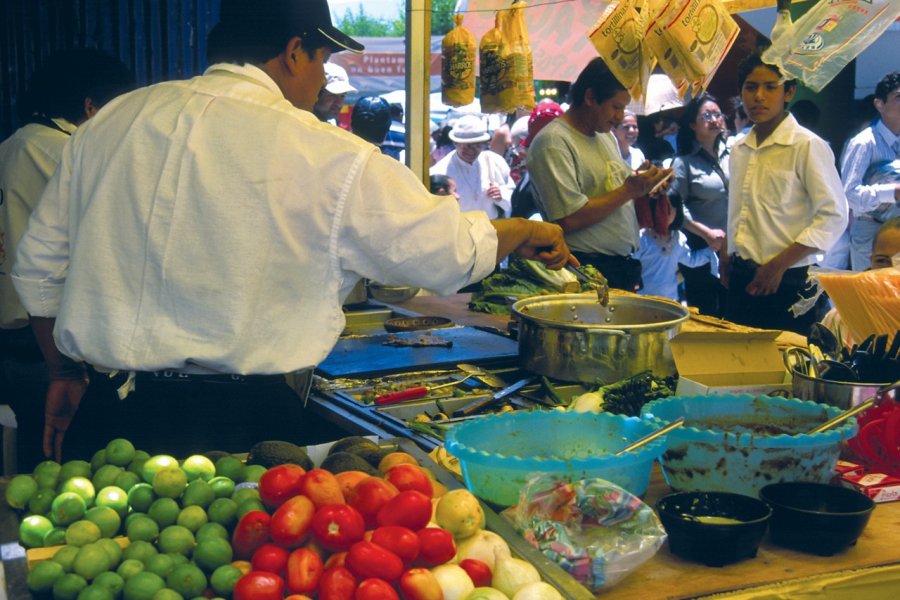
(485, 546)
(454, 581)
(511, 574)
(537, 590)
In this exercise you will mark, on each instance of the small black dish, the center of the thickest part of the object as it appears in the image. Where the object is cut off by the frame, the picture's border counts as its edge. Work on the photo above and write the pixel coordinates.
(398, 324)
(815, 517)
(713, 528)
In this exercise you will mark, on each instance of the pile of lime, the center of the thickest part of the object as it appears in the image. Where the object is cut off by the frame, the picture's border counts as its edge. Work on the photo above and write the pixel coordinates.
(134, 526)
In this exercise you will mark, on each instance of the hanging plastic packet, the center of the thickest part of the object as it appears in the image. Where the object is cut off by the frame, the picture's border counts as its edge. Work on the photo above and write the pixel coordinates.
(458, 65)
(519, 88)
(828, 36)
(669, 58)
(618, 37)
(493, 67)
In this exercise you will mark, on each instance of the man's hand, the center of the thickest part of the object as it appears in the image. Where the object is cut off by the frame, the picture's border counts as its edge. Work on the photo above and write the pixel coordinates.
(493, 192)
(715, 238)
(767, 279)
(63, 398)
(642, 182)
(546, 244)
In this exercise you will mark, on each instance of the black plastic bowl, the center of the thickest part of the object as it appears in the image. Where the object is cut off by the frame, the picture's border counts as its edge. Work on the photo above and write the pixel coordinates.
(741, 525)
(815, 517)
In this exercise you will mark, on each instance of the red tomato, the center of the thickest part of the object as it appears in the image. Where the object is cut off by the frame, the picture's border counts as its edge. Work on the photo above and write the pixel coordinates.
(479, 572)
(322, 488)
(280, 483)
(366, 559)
(251, 532)
(290, 521)
(375, 589)
(337, 526)
(337, 583)
(436, 546)
(410, 477)
(338, 559)
(259, 585)
(297, 597)
(420, 584)
(400, 540)
(410, 509)
(270, 558)
(304, 568)
(369, 495)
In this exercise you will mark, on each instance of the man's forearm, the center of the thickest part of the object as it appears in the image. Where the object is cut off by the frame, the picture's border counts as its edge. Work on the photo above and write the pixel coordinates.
(596, 209)
(59, 366)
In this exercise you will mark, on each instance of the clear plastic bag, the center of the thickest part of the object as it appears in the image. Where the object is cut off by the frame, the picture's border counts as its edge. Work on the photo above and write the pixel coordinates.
(618, 36)
(593, 529)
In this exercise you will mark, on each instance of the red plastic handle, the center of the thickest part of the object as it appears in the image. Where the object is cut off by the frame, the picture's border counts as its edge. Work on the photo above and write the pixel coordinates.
(407, 394)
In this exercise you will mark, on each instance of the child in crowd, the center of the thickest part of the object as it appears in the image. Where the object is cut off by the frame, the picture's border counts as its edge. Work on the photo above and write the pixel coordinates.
(664, 246)
(443, 185)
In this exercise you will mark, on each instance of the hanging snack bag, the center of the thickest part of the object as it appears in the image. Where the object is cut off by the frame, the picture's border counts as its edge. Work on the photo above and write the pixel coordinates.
(493, 67)
(458, 65)
(669, 58)
(518, 91)
(705, 32)
(618, 37)
(828, 36)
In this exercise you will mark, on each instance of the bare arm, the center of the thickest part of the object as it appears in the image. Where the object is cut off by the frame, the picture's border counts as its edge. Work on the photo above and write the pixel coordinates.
(532, 239)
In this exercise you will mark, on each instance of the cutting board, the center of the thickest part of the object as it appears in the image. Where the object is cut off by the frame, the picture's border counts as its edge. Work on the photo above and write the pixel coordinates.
(368, 356)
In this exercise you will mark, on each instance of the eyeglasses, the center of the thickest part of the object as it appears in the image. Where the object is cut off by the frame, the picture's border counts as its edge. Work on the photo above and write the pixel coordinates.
(709, 116)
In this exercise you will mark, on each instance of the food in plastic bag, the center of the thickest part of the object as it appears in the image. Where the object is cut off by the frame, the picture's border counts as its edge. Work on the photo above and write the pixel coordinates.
(493, 67)
(618, 37)
(458, 65)
(828, 36)
(669, 58)
(519, 89)
(593, 529)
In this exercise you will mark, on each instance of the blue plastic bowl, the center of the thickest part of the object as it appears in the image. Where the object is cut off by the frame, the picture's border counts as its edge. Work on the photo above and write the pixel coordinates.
(735, 443)
(497, 453)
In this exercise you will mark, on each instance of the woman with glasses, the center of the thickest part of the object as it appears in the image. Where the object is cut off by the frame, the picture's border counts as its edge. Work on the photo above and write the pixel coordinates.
(701, 179)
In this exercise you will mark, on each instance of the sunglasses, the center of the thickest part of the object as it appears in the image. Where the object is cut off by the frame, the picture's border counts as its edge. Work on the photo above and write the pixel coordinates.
(709, 116)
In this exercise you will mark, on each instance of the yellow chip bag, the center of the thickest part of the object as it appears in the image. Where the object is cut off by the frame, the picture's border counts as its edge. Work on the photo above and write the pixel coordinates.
(493, 68)
(458, 65)
(519, 88)
(618, 37)
(704, 32)
(670, 58)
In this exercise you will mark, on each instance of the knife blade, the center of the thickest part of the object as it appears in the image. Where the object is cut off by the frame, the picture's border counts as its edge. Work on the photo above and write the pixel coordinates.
(485, 377)
(479, 405)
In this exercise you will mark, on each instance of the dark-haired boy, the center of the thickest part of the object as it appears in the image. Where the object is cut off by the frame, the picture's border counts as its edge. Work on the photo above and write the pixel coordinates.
(785, 205)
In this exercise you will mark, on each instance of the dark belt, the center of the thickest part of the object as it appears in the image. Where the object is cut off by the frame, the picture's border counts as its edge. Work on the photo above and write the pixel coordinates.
(745, 263)
(176, 377)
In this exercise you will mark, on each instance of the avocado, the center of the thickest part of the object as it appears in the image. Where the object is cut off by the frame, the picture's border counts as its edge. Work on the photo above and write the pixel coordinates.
(372, 456)
(272, 453)
(348, 444)
(215, 455)
(345, 461)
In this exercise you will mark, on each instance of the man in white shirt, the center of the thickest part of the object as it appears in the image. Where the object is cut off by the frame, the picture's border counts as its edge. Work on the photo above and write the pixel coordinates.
(785, 205)
(331, 98)
(202, 235)
(482, 176)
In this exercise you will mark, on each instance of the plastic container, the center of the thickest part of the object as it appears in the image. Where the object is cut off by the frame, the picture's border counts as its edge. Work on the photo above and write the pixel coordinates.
(498, 452)
(732, 443)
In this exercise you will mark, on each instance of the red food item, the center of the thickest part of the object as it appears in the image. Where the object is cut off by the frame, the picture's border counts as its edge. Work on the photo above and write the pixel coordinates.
(410, 509)
(375, 589)
(321, 487)
(304, 569)
(410, 477)
(366, 560)
(478, 571)
(402, 541)
(291, 521)
(251, 532)
(297, 597)
(271, 558)
(338, 559)
(280, 483)
(259, 585)
(436, 546)
(337, 583)
(337, 526)
(369, 495)
(419, 584)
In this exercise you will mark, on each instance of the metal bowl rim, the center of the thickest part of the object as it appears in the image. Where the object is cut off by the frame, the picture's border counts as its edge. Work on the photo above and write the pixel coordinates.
(583, 298)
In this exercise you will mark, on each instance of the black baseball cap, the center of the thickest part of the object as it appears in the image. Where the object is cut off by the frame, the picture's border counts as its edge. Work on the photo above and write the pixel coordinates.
(300, 16)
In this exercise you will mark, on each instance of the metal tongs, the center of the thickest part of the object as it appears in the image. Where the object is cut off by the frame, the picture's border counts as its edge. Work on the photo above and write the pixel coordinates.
(600, 284)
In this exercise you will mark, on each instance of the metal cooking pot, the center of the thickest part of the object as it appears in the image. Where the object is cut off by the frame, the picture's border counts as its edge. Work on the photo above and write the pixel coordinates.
(836, 393)
(573, 338)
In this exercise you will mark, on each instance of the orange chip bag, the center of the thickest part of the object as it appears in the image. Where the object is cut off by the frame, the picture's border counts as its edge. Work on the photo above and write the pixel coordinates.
(458, 65)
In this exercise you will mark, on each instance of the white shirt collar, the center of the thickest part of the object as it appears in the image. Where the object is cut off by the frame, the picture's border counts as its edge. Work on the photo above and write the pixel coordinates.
(249, 72)
(886, 133)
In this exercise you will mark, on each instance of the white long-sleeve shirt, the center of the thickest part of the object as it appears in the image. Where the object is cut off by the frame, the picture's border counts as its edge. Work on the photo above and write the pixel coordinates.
(784, 191)
(871, 145)
(473, 180)
(209, 225)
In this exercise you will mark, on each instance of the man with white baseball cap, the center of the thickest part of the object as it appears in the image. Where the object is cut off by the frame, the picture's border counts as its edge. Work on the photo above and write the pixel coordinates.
(331, 98)
(482, 177)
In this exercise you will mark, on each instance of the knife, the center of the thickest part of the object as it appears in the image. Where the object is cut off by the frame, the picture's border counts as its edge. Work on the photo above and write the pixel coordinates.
(493, 399)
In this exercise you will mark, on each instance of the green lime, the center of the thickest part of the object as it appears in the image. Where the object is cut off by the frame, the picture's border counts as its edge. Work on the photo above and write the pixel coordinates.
(74, 468)
(188, 580)
(91, 560)
(41, 501)
(211, 530)
(253, 472)
(179, 558)
(223, 487)
(129, 567)
(139, 550)
(212, 553)
(137, 463)
(98, 459)
(198, 466)
(68, 586)
(142, 586)
(106, 476)
(67, 508)
(223, 579)
(168, 594)
(32, 530)
(120, 452)
(83, 532)
(245, 492)
(19, 491)
(141, 496)
(142, 528)
(198, 493)
(81, 486)
(112, 549)
(161, 564)
(157, 463)
(96, 592)
(169, 482)
(115, 498)
(250, 504)
(192, 517)
(55, 537)
(107, 519)
(46, 474)
(230, 467)
(224, 511)
(176, 538)
(127, 480)
(43, 575)
(111, 581)
(65, 556)
(164, 511)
